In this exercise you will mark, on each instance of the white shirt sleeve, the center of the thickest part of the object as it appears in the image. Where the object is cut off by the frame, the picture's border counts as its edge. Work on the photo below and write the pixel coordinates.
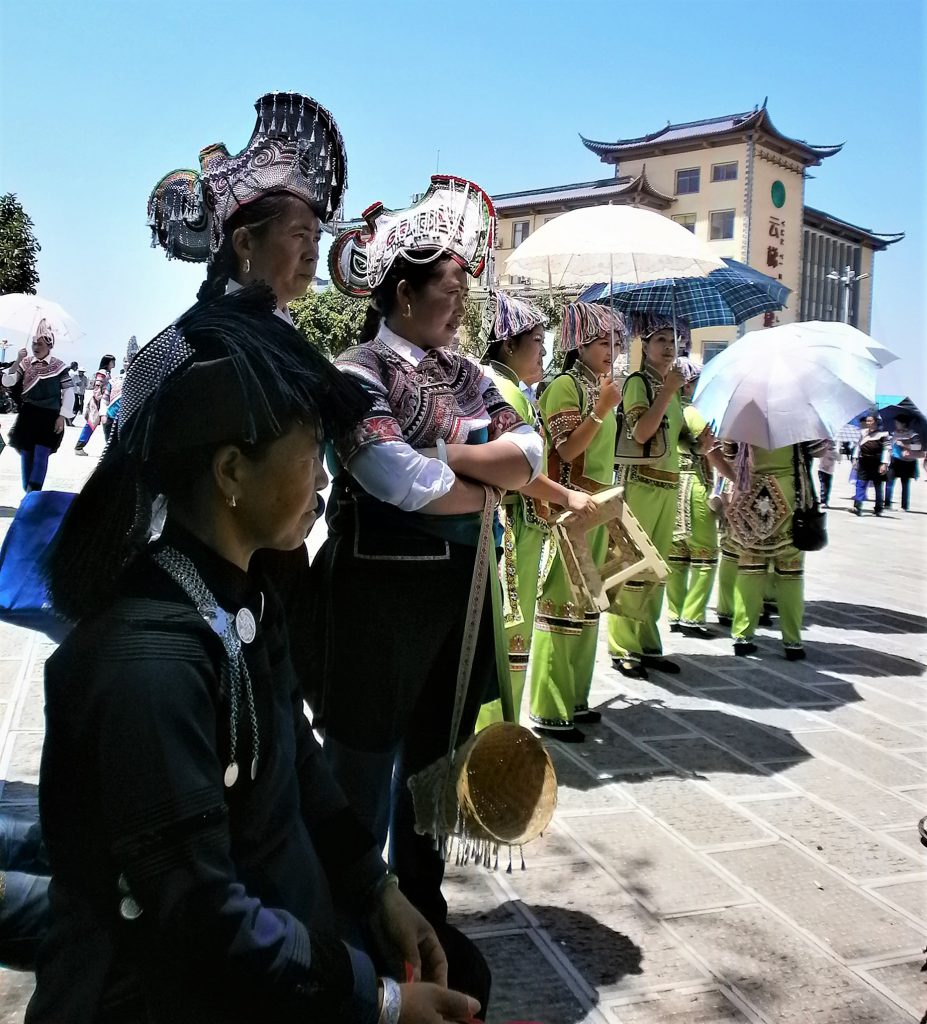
(532, 447)
(396, 473)
(67, 401)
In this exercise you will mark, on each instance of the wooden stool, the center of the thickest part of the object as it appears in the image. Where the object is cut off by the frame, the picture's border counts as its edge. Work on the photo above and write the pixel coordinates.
(631, 554)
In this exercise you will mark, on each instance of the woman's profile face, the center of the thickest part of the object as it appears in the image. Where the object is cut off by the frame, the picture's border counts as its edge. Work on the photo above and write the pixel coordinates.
(526, 359)
(279, 491)
(597, 355)
(286, 255)
(430, 316)
(40, 348)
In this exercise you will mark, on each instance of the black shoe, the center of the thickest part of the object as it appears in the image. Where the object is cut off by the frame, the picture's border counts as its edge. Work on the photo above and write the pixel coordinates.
(765, 619)
(587, 717)
(742, 650)
(858, 509)
(660, 664)
(675, 627)
(561, 735)
(725, 620)
(628, 667)
(696, 630)
(795, 654)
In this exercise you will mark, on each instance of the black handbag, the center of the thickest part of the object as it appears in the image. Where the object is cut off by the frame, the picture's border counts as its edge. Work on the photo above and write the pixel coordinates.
(809, 523)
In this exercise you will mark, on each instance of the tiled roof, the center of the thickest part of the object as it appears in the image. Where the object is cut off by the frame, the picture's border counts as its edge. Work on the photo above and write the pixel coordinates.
(826, 222)
(713, 126)
(604, 189)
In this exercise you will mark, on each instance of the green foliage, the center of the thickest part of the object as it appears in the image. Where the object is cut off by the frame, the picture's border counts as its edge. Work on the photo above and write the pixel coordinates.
(18, 248)
(329, 320)
(471, 342)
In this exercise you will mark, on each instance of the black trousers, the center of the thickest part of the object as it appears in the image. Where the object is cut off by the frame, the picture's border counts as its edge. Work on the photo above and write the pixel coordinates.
(391, 635)
(825, 480)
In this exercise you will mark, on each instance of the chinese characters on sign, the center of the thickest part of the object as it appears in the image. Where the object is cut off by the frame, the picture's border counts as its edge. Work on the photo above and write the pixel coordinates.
(775, 256)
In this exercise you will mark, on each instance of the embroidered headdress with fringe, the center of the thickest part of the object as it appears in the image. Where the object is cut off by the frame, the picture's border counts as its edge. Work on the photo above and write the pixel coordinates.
(295, 147)
(506, 317)
(644, 325)
(454, 217)
(583, 322)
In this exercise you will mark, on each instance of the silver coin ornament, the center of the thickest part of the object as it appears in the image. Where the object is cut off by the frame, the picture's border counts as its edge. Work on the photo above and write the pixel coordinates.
(129, 909)
(231, 775)
(254, 768)
(245, 625)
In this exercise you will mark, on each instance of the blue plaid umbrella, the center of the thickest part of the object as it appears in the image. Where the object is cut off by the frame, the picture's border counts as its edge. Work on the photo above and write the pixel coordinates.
(728, 296)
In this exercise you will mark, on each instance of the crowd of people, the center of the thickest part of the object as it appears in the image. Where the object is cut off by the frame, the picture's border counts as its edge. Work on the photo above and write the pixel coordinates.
(210, 858)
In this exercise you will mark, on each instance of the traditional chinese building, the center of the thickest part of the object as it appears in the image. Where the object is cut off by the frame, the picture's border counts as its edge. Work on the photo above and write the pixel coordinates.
(738, 183)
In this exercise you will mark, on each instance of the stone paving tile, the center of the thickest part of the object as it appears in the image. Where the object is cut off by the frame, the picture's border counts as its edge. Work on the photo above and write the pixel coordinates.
(711, 1007)
(865, 801)
(856, 720)
(606, 750)
(856, 851)
(782, 689)
(822, 902)
(895, 710)
(906, 982)
(878, 765)
(577, 885)
(579, 789)
(513, 959)
(24, 757)
(745, 737)
(16, 988)
(644, 721)
(10, 670)
(653, 865)
(724, 771)
(785, 977)
(694, 814)
(908, 896)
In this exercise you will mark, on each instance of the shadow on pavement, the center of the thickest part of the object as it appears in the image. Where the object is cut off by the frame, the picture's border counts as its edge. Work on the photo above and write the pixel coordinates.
(695, 743)
(526, 986)
(844, 615)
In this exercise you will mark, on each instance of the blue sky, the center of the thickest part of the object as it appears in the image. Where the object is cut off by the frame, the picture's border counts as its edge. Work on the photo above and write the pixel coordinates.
(99, 99)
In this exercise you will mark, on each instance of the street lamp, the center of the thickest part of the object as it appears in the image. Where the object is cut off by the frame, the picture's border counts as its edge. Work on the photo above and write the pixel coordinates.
(848, 279)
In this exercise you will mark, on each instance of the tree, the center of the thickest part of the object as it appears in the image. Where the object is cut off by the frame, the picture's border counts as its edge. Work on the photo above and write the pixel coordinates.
(18, 248)
(329, 320)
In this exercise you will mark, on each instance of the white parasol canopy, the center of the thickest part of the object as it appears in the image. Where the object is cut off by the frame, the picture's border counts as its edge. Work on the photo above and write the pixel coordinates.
(619, 244)
(21, 314)
(783, 385)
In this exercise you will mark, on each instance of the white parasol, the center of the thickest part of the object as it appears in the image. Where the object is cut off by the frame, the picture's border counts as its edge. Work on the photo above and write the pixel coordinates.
(792, 383)
(20, 315)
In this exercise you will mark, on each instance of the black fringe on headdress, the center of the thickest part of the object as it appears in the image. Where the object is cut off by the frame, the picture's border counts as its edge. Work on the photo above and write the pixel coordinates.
(229, 371)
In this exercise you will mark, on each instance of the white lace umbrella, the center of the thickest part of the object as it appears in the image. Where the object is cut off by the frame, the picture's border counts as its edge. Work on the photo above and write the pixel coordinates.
(619, 244)
(796, 382)
(20, 315)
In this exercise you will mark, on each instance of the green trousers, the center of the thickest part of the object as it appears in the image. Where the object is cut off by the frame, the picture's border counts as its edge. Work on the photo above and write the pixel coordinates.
(727, 580)
(753, 586)
(563, 646)
(633, 620)
(521, 558)
(693, 559)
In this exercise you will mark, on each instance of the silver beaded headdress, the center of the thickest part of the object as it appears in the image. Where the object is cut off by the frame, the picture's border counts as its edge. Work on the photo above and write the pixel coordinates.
(454, 217)
(295, 147)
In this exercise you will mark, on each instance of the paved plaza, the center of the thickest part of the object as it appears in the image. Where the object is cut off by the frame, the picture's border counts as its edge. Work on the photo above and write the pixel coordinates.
(734, 844)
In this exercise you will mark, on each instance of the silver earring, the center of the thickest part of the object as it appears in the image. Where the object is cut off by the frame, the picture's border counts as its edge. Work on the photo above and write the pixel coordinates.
(232, 502)
(246, 266)
(408, 312)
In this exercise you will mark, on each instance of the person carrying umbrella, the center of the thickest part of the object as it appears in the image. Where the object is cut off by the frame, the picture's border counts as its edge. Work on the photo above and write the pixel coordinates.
(650, 403)
(693, 560)
(578, 414)
(47, 404)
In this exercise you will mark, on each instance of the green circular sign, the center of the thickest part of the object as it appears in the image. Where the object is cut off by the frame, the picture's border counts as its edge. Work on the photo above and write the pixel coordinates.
(778, 194)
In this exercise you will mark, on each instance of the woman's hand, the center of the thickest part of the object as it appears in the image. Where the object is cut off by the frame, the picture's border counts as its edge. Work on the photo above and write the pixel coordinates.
(883, 469)
(59, 425)
(429, 1004)
(404, 936)
(581, 504)
(673, 381)
(609, 395)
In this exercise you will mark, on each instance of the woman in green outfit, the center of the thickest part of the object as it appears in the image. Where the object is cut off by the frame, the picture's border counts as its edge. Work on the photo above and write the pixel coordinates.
(578, 413)
(514, 360)
(693, 560)
(650, 400)
(759, 522)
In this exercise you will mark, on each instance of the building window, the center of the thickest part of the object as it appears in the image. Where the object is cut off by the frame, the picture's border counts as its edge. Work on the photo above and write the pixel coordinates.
(721, 225)
(724, 172)
(687, 181)
(520, 231)
(553, 216)
(710, 349)
(687, 220)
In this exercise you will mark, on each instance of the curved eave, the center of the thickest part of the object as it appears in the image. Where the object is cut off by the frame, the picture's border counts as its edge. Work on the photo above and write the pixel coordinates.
(643, 186)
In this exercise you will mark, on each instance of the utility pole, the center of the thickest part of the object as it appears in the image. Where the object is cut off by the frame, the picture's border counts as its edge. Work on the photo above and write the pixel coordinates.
(848, 279)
